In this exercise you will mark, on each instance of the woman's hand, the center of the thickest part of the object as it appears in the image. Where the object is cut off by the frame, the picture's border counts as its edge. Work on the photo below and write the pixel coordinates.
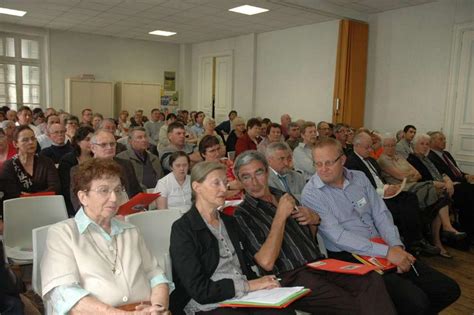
(155, 309)
(449, 186)
(266, 282)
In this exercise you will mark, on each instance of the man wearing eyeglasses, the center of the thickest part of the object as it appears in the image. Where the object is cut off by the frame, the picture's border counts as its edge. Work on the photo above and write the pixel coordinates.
(59, 147)
(352, 214)
(103, 146)
(281, 239)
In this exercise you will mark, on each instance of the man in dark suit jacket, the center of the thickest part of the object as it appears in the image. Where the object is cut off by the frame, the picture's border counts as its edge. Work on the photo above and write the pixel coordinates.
(446, 164)
(404, 207)
(444, 161)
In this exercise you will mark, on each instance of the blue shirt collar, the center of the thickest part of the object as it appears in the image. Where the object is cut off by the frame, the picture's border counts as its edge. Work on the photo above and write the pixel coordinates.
(117, 226)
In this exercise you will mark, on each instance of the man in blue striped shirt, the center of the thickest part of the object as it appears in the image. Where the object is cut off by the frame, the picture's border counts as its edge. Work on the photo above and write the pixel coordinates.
(352, 213)
(282, 241)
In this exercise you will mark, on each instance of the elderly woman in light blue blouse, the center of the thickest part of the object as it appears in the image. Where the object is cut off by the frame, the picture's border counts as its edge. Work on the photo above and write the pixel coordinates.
(95, 263)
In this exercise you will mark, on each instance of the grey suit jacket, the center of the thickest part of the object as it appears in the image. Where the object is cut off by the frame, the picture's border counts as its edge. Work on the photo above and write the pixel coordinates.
(294, 179)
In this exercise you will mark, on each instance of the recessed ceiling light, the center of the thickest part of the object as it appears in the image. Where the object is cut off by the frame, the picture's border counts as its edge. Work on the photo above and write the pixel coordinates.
(248, 10)
(12, 12)
(162, 33)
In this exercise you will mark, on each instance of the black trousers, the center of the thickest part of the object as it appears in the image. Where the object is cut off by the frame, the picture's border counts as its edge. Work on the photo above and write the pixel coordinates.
(335, 293)
(406, 216)
(463, 199)
(428, 293)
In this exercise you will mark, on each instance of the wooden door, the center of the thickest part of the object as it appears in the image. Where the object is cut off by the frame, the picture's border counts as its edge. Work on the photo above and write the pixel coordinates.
(462, 133)
(80, 96)
(102, 96)
(223, 87)
(205, 85)
(351, 73)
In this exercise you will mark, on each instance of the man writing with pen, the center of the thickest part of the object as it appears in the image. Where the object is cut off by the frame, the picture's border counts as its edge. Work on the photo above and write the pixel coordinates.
(352, 214)
(281, 237)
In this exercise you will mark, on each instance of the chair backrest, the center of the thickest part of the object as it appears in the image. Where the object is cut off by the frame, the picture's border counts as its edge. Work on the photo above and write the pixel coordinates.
(155, 227)
(22, 215)
(39, 243)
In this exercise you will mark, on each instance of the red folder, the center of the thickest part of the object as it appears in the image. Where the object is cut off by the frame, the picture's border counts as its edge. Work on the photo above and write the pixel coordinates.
(339, 266)
(381, 263)
(137, 203)
(40, 193)
(281, 304)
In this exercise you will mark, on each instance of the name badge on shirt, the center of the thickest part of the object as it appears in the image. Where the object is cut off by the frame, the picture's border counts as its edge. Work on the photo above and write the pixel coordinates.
(362, 202)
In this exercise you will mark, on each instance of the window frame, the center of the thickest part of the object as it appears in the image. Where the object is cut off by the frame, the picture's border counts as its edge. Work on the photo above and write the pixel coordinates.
(19, 62)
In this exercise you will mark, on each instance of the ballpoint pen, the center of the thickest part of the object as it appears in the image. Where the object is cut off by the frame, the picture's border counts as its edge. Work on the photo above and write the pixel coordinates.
(414, 269)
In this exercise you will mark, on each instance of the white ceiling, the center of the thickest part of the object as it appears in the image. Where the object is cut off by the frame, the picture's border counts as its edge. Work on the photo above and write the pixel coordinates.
(193, 20)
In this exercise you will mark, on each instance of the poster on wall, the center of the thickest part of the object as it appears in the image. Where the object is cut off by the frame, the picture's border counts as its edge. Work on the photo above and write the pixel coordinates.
(170, 81)
(170, 98)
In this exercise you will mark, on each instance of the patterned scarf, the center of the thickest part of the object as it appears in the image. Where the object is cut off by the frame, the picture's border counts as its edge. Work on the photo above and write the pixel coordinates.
(25, 179)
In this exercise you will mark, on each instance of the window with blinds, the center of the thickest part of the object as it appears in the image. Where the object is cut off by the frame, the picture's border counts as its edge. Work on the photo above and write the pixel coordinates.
(20, 71)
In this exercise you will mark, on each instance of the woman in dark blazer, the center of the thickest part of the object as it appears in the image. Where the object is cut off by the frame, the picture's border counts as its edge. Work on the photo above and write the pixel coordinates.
(209, 261)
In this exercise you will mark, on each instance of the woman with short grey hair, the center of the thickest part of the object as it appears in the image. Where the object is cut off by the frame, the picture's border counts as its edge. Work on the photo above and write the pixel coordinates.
(207, 252)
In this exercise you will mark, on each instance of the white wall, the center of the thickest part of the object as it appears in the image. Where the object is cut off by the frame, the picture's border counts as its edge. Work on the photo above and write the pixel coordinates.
(243, 48)
(108, 58)
(286, 71)
(408, 68)
(295, 72)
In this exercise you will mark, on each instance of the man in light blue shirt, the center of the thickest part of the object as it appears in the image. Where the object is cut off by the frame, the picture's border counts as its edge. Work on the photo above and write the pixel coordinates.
(352, 213)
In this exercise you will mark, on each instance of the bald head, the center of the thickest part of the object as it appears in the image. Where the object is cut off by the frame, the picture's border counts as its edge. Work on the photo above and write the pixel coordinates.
(363, 144)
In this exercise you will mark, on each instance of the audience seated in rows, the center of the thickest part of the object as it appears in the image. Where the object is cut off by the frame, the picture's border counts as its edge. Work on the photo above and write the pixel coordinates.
(198, 128)
(103, 147)
(405, 145)
(274, 134)
(209, 149)
(86, 117)
(44, 140)
(226, 127)
(334, 192)
(282, 241)
(163, 133)
(294, 135)
(434, 203)
(302, 157)
(175, 188)
(177, 138)
(153, 126)
(250, 139)
(81, 152)
(59, 146)
(27, 172)
(74, 277)
(209, 260)
(462, 195)
(238, 130)
(281, 174)
(147, 166)
(209, 125)
(403, 207)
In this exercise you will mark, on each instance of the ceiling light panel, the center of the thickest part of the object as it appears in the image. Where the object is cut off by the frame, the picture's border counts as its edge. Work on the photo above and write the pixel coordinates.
(12, 12)
(248, 10)
(162, 33)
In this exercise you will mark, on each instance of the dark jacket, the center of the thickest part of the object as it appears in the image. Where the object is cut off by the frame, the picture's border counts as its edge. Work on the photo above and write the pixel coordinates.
(420, 167)
(195, 254)
(443, 168)
(68, 161)
(354, 162)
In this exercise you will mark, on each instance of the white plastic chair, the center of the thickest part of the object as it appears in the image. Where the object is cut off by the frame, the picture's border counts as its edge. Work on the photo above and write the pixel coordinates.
(155, 227)
(21, 216)
(39, 244)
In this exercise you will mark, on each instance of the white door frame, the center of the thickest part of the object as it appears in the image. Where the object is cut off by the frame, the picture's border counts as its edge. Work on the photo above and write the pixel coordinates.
(229, 53)
(451, 109)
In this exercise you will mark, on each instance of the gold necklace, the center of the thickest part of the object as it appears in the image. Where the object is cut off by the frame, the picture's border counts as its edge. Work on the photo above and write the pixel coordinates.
(102, 255)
